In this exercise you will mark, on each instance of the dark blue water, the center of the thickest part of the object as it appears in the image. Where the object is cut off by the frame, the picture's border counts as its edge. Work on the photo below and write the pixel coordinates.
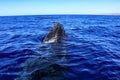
(91, 50)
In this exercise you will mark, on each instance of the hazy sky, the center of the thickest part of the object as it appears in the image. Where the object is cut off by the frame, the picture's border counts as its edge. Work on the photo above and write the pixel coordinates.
(36, 7)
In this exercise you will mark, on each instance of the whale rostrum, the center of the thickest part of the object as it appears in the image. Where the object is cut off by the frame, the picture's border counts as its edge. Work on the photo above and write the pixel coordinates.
(56, 34)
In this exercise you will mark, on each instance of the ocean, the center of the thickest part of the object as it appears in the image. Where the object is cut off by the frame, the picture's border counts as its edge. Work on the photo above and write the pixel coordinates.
(91, 50)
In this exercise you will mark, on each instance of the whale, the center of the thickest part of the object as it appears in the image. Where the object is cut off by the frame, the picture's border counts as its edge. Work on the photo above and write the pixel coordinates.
(56, 34)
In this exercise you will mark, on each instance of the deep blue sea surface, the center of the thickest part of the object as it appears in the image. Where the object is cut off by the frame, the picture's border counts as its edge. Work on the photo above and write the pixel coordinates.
(91, 50)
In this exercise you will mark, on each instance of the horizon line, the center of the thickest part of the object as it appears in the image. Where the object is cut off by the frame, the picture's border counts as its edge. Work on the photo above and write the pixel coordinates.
(112, 14)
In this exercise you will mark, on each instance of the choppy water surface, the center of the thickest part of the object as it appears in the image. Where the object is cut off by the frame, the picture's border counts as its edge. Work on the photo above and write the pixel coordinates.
(91, 50)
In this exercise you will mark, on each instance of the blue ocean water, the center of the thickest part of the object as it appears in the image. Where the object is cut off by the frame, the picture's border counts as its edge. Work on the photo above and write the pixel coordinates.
(91, 50)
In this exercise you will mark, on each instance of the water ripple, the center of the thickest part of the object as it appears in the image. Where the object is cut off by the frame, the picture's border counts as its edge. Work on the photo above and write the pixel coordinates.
(91, 51)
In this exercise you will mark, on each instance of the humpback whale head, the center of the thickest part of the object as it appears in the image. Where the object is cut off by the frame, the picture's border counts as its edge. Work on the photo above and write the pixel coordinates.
(56, 34)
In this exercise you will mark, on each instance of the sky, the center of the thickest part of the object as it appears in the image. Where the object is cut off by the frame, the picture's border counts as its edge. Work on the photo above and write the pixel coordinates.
(43, 7)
